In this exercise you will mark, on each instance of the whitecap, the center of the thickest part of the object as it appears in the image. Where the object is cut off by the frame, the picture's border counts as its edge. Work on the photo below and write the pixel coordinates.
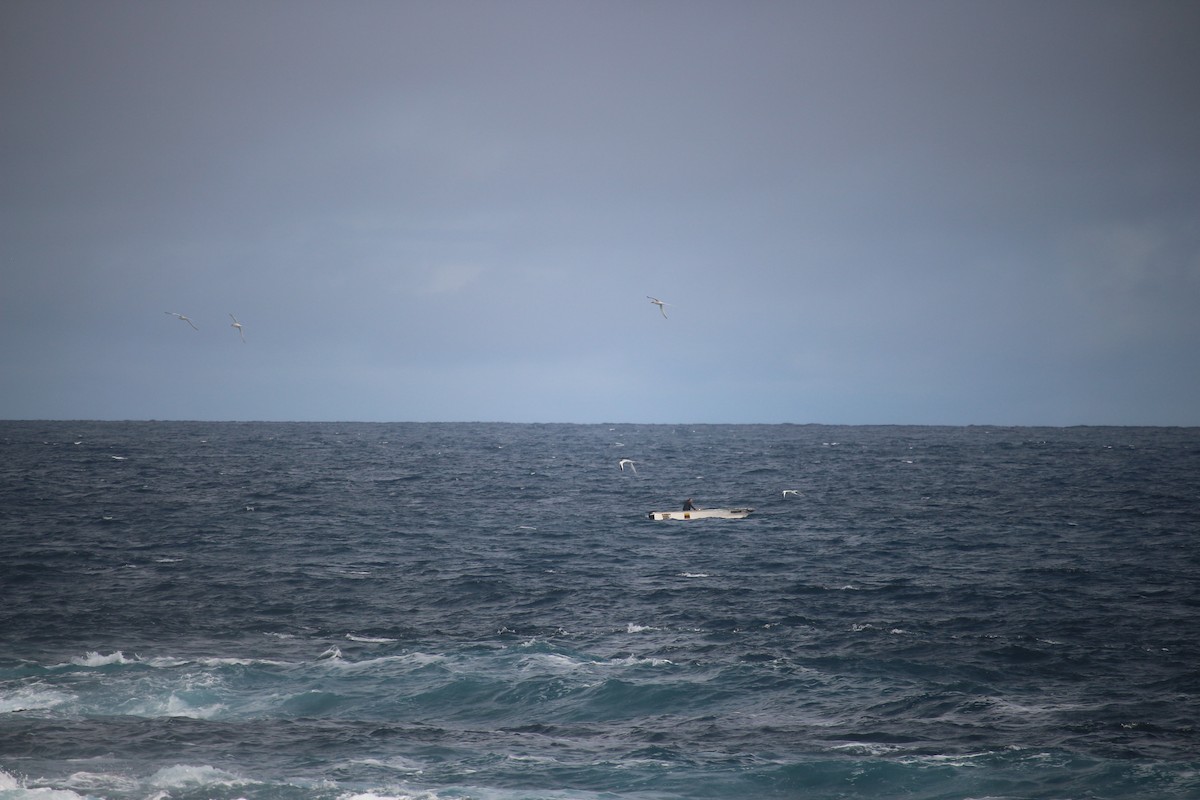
(528, 758)
(370, 639)
(195, 700)
(357, 574)
(636, 661)
(961, 760)
(238, 662)
(100, 783)
(182, 776)
(94, 659)
(415, 660)
(162, 662)
(32, 698)
(40, 793)
(397, 763)
(555, 663)
(177, 706)
(867, 748)
(15, 789)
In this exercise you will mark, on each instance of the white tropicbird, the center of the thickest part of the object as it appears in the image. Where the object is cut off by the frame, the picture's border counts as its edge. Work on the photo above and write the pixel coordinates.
(182, 317)
(628, 461)
(660, 305)
(238, 325)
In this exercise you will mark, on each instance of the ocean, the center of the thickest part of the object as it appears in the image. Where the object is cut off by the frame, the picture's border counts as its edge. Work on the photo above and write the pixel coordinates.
(333, 611)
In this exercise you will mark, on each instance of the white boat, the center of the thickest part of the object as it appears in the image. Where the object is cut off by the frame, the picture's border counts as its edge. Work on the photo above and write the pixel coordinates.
(703, 513)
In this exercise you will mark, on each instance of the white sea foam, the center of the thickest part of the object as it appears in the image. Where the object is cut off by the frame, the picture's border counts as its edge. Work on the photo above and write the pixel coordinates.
(397, 763)
(370, 639)
(234, 662)
(183, 776)
(100, 783)
(552, 662)
(633, 661)
(32, 698)
(875, 749)
(177, 706)
(957, 760)
(197, 698)
(13, 789)
(94, 659)
(356, 574)
(411, 660)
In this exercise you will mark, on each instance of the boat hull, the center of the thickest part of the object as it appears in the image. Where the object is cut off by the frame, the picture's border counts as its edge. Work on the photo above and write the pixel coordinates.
(703, 513)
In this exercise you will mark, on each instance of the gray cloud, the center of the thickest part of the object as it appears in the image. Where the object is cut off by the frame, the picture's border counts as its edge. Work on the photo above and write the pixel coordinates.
(869, 212)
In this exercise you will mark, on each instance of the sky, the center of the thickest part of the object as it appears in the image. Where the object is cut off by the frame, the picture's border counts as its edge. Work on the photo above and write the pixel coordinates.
(860, 212)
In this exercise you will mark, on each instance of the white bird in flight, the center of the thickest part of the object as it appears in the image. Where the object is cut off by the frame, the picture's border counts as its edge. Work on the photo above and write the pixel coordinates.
(628, 461)
(795, 492)
(660, 305)
(238, 325)
(182, 317)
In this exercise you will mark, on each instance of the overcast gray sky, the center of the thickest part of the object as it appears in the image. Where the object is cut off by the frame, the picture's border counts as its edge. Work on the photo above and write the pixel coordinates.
(858, 212)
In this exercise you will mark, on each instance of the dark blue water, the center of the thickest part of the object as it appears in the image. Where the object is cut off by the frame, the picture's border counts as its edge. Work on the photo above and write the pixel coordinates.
(224, 610)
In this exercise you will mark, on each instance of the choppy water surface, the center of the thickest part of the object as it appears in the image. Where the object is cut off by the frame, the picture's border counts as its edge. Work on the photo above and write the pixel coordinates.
(222, 610)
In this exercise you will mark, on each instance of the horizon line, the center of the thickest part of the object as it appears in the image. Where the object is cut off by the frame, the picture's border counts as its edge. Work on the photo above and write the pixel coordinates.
(171, 420)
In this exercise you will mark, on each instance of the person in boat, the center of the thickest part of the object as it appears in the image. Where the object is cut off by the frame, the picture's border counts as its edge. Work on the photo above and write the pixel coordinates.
(687, 505)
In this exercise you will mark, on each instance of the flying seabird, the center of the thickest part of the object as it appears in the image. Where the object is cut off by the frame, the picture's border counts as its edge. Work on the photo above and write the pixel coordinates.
(786, 492)
(660, 305)
(628, 461)
(238, 325)
(182, 317)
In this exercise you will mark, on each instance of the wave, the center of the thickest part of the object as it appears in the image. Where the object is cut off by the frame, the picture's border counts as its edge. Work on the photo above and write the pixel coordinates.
(659, 771)
(328, 684)
(201, 782)
(12, 788)
(94, 659)
(183, 776)
(35, 697)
